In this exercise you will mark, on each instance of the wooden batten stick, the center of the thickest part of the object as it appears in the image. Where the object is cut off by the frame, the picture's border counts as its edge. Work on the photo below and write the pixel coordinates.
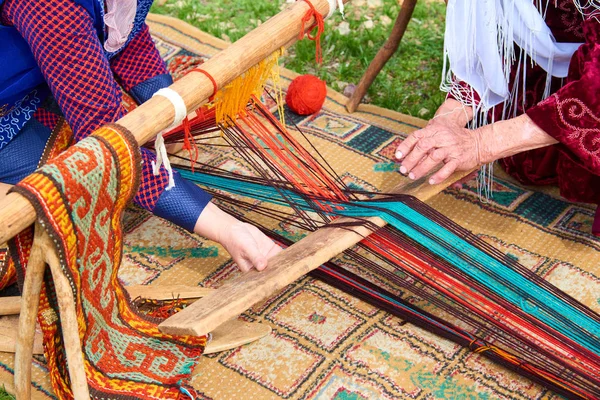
(32, 288)
(16, 213)
(235, 333)
(236, 296)
(167, 292)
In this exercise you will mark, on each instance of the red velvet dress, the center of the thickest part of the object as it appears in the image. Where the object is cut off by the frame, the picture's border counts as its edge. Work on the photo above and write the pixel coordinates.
(571, 114)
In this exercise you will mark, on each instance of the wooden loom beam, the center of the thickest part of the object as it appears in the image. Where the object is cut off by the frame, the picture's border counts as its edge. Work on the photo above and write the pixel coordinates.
(320, 246)
(157, 114)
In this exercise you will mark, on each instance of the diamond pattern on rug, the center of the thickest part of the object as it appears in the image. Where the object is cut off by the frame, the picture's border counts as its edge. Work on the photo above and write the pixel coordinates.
(576, 221)
(394, 360)
(582, 285)
(327, 125)
(315, 318)
(340, 384)
(278, 362)
(426, 341)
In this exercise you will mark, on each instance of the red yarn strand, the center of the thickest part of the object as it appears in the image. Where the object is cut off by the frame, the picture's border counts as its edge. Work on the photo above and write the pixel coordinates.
(209, 76)
(320, 25)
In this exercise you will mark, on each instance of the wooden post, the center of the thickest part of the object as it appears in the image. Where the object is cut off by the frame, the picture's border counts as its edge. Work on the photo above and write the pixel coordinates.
(31, 299)
(157, 114)
(42, 252)
(68, 323)
(236, 296)
(383, 55)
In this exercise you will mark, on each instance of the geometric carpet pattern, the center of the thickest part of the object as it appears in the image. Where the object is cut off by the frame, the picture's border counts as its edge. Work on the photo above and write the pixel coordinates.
(326, 344)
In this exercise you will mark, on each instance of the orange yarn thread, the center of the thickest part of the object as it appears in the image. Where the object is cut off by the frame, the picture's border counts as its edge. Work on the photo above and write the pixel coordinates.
(320, 25)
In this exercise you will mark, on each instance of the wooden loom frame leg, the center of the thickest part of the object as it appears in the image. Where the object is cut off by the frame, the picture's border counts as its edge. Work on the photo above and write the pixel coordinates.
(32, 287)
(383, 55)
(68, 321)
(42, 252)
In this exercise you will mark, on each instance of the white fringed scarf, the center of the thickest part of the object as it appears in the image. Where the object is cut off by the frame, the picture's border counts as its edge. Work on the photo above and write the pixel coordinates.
(479, 50)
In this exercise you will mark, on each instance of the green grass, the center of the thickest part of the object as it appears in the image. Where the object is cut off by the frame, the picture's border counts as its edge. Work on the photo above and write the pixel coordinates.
(410, 81)
(4, 395)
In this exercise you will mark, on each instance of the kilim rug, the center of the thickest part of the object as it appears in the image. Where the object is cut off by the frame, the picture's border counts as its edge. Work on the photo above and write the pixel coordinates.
(326, 344)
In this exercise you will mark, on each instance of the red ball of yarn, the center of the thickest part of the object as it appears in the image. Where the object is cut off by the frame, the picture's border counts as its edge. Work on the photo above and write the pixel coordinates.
(306, 94)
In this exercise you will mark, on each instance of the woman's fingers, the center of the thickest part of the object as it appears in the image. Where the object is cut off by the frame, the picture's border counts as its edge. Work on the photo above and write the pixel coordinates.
(444, 172)
(419, 151)
(429, 162)
(438, 143)
(407, 144)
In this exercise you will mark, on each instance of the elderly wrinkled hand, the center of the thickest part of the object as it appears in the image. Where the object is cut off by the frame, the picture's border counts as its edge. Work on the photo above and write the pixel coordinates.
(442, 142)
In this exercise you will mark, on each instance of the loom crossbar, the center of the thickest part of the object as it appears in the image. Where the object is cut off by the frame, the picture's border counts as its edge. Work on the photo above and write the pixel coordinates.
(157, 114)
(318, 247)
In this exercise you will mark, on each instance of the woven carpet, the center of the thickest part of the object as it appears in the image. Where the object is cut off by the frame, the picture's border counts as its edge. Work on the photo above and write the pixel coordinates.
(326, 344)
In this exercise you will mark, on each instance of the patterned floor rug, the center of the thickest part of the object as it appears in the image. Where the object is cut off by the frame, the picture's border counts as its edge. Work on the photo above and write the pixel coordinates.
(326, 344)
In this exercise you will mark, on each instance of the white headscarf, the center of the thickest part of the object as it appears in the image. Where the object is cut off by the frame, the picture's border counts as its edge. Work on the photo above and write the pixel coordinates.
(479, 44)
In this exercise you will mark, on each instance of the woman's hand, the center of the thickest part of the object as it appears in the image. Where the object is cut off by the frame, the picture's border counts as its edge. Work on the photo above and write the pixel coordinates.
(442, 142)
(447, 142)
(247, 245)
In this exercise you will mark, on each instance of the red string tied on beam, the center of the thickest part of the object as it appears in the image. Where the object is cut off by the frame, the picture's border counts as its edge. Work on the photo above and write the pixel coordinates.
(188, 139)
(212, 80)
(319, 24)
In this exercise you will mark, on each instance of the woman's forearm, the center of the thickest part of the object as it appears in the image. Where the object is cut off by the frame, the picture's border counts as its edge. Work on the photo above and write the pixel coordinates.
(507, 138)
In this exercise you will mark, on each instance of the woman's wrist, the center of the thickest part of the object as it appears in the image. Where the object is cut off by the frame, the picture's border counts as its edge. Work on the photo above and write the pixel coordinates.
(455, 112)
(214, 222)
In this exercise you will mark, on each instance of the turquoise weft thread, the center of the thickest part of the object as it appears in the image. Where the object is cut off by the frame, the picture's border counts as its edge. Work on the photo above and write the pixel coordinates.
(586, 331)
